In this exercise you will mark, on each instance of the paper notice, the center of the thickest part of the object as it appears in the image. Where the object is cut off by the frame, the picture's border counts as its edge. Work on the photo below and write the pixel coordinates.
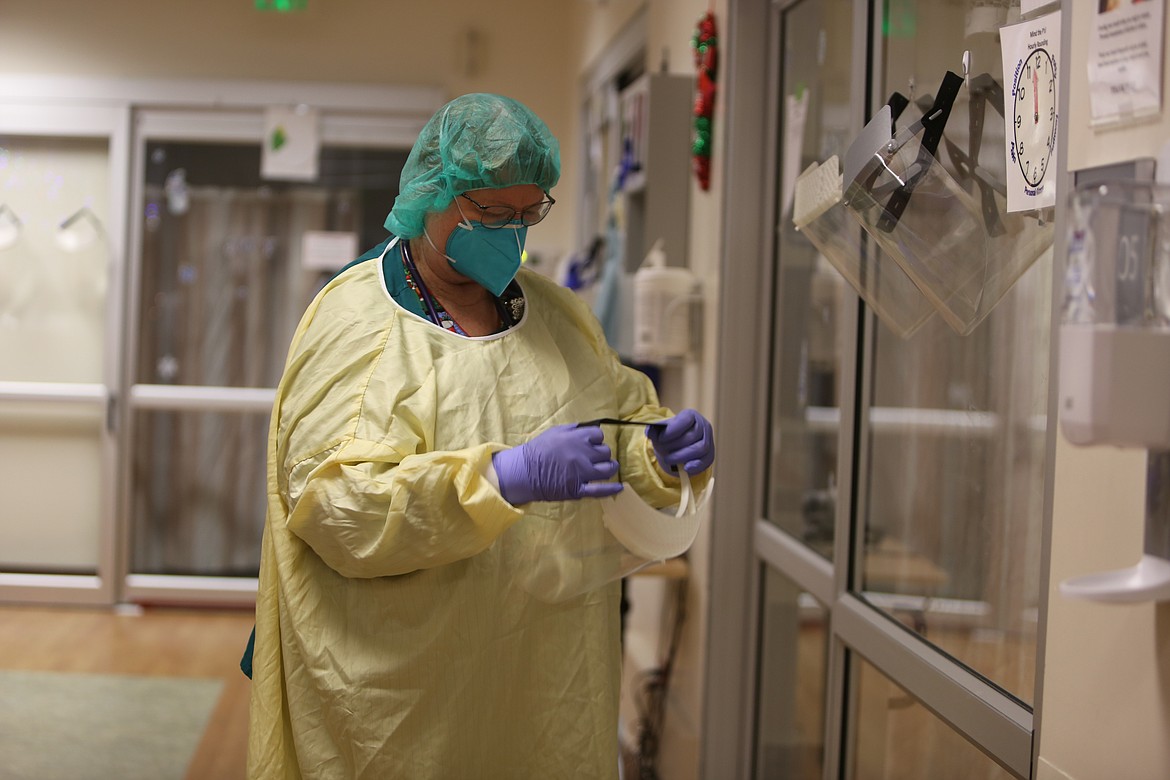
(1125, 61)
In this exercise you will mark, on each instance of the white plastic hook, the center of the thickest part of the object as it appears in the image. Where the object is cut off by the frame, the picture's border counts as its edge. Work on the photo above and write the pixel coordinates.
(9, 226)
(78, 230)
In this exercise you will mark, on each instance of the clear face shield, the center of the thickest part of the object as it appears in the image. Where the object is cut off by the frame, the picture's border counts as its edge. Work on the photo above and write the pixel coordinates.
(820, 215)
(955, 246)
(557, 555)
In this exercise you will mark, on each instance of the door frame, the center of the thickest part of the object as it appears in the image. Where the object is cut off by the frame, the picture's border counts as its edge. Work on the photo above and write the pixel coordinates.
(36, 118)
(340, 125)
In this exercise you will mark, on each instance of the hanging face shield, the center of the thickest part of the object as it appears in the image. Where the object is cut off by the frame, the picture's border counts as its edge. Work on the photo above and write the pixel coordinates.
(984, 91)
(961, 259)
(947, 242)
(819, 214)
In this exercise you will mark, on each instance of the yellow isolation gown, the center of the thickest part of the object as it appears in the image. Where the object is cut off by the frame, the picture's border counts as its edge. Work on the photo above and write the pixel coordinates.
(401, 631)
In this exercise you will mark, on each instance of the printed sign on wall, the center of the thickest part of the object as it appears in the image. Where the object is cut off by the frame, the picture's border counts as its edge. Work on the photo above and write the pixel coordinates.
(291, 144)
(1125, 61)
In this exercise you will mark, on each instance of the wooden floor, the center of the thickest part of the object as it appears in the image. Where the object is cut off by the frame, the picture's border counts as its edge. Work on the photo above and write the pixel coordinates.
(206, 643)
(163, 642)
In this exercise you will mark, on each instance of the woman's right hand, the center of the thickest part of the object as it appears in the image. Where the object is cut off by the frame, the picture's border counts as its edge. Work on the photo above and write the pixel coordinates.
(563, 463)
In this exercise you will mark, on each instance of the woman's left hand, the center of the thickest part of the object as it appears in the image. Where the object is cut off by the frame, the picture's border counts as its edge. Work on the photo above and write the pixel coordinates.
(687, 439)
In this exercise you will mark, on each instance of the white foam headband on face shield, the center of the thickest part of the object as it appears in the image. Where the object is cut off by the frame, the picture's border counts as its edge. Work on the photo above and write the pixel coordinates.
(650, 533)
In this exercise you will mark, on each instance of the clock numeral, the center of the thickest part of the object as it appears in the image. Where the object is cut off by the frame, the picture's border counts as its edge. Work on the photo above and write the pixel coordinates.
(1019, 121)
(1020, 92)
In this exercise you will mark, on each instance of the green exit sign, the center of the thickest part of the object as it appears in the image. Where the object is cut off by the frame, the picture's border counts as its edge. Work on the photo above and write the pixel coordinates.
(280, 6)
(900, 19)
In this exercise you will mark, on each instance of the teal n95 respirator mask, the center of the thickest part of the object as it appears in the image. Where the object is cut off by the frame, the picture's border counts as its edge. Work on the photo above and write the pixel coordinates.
(490, 256)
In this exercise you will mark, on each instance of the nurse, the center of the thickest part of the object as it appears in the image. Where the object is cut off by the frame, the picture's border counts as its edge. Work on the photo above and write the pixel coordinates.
(423, 428)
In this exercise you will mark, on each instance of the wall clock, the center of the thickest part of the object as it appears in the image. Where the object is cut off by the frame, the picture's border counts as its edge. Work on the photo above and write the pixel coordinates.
(1031, 66)
(1034, 116)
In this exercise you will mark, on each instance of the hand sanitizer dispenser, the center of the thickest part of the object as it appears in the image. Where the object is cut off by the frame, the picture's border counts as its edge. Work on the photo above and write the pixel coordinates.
(1115, 353)
(1115, 331)
(662, 316)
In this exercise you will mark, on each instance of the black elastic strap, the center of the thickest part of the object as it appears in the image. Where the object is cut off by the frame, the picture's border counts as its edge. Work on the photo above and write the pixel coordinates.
(933, 125)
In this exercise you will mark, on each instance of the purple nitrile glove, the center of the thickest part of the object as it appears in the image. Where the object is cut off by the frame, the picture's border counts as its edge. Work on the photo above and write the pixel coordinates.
(560, 464)
(686, 440)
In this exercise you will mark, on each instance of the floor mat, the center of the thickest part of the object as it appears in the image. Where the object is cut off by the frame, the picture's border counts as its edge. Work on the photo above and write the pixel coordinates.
(100, 727)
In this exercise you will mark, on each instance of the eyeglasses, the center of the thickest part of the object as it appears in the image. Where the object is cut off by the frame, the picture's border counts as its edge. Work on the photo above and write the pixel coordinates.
(497, 216)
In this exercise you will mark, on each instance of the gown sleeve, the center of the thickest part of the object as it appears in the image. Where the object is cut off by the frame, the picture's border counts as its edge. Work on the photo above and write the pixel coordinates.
(353, 464)
(367, 511)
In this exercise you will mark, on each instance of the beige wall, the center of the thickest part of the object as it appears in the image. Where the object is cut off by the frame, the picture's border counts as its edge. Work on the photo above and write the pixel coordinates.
(1106, 690)
(527, 49)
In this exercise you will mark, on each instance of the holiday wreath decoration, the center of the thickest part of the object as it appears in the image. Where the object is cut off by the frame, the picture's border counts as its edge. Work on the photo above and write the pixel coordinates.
(704, 43)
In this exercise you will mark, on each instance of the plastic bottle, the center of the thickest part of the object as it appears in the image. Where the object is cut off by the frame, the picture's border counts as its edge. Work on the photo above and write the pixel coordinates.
(661, 315)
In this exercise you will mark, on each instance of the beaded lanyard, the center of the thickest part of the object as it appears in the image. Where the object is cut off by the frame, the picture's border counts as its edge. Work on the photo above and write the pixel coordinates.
(510, 306)
(435, 310)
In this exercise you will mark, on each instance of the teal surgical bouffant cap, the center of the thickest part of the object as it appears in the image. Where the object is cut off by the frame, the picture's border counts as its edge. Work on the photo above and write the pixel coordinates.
(477, 141)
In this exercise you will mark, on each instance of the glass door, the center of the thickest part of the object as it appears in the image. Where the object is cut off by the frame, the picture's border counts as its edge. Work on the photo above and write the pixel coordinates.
(61, 226)
(956, 426)
(896, 497)
(225, 263)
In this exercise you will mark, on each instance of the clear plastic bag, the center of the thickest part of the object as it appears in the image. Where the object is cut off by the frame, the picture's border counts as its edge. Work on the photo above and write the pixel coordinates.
(821, 216)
